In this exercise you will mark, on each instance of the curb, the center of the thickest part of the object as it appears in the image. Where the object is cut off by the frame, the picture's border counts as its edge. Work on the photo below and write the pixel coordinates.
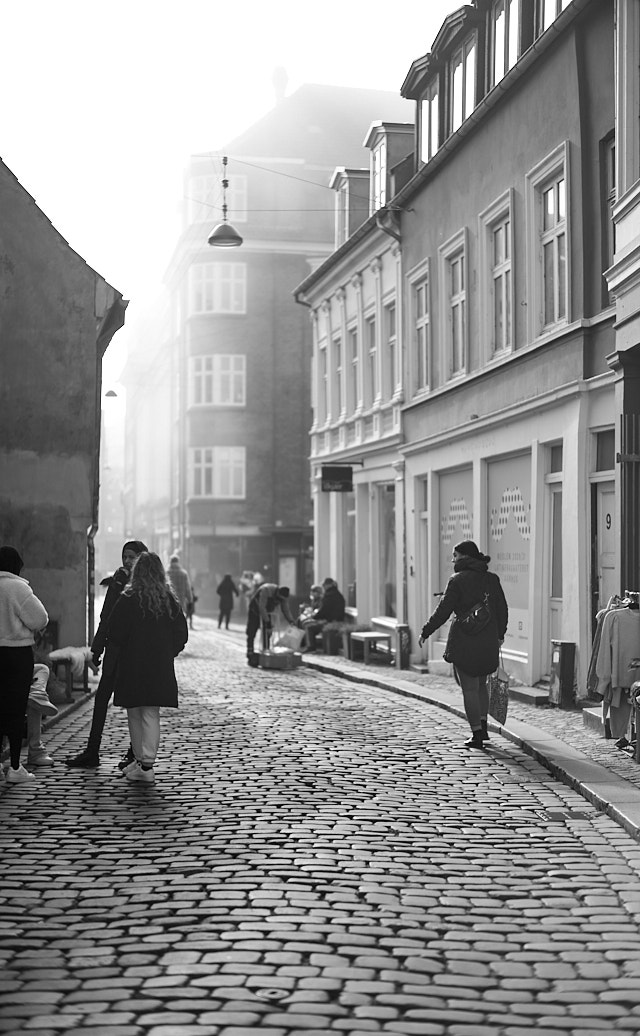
(609, 793)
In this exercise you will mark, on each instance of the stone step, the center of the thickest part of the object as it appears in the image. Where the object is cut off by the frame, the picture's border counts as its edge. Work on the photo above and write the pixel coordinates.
(592, 718)
(530, 695)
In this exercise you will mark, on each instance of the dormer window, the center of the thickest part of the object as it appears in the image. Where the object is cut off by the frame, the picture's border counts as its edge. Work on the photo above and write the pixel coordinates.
(548, 11)
(342, 226)
(463, 83)
(505, 31)
(379, 176)
(429, 122)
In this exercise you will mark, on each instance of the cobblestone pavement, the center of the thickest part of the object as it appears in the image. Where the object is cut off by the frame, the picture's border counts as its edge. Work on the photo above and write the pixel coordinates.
(317, 856)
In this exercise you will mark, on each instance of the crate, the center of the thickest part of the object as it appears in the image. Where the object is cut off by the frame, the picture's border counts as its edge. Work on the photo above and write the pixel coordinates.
(280, 658)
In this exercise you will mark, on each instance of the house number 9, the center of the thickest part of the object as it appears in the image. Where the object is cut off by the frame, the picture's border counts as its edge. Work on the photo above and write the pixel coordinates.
(607, 521)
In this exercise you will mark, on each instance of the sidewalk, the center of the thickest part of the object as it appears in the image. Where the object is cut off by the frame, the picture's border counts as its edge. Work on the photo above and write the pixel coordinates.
(565, 741)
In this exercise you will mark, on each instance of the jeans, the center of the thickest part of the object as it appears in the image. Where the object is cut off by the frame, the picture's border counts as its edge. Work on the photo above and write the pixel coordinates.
(101, 701)
(144, 729)
(475, 697)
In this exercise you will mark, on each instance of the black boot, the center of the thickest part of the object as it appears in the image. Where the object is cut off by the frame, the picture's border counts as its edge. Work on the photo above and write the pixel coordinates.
(85, 760)
(475, 741)
(484, 731)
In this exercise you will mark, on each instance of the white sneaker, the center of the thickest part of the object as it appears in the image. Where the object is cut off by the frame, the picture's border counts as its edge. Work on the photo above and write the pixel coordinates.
(19, 775)
(129, 768)
(136, 773)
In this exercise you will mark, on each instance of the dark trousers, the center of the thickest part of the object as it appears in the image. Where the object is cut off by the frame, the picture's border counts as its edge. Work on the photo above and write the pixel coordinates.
(253, 625)
(225, 615)
(101, 701)
(475, 696)
(16, 672)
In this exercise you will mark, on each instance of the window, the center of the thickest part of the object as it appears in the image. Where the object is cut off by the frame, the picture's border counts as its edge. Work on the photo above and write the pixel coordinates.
(323, 383)
(463, 83)
(218, 472)
(202, 198)
(547, 209)
(608, 181)
(554, 251)
(218, 380)
(421, 329)
(371, 386)
(237, 199)
(217, 288)
(555, 459)
(501, 285)
(391, 344)
(336, 406)
(548, 11)
(454, 309)
(505, 24)
(606, 450)
(429, 123)
(352, 388)
(379, 176)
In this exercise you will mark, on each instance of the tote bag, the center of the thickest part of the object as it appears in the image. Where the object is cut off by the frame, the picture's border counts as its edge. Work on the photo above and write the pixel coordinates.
(499, 694)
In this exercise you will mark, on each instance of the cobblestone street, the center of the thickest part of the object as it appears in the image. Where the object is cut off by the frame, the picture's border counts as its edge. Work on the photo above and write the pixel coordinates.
(316, 856)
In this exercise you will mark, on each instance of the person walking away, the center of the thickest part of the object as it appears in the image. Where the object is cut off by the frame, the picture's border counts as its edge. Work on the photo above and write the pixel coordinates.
(475, 656)
(21, 615)
(147, 629)
(90, 756)
(226, 589)
(180, 583)
(332, 609)
(262, 605)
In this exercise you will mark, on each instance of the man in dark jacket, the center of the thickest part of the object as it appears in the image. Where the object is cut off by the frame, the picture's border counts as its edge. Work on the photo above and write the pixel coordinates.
(332, 609)
(90, 756)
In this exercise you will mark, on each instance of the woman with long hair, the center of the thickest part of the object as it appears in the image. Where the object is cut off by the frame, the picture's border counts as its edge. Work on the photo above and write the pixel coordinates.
(473, 656)
(147, 629)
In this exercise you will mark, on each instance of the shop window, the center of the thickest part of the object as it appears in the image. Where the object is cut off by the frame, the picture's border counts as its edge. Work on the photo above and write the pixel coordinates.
(606, 450)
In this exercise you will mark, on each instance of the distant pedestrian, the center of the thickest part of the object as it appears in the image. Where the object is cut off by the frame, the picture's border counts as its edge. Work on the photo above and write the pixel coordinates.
(90, 756)
(178, 579)
(475, 656)
(21, 615)
(147, 629)
(226, 590)
(264, 602)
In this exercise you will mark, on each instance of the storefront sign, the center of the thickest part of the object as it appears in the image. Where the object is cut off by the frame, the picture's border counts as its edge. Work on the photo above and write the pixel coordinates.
(337, 478)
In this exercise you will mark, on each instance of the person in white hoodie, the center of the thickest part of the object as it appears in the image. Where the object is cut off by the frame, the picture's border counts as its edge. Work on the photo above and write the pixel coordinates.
(21, 615)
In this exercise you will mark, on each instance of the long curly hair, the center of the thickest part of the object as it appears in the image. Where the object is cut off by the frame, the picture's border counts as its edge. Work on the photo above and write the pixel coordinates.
(149, 584)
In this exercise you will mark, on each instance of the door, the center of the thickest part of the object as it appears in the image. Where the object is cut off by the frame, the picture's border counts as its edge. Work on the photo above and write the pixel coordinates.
(555, 574)
(605, 544)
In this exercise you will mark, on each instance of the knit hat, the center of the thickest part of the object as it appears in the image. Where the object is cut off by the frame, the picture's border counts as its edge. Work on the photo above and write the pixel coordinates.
(10, 561)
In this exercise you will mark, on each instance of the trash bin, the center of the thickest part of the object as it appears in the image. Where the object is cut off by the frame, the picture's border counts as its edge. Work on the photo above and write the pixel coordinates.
(561, 688)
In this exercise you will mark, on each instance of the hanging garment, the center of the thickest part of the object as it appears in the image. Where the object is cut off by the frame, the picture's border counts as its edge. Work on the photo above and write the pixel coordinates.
(619, 645)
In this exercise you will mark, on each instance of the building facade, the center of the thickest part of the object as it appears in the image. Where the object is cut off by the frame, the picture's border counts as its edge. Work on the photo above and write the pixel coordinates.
(239, 346)
(57, 317)
(504, 333)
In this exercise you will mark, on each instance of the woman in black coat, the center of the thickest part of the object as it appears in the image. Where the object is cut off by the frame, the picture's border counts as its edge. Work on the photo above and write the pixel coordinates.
(473, 657)
(225, 592)
(146, 629)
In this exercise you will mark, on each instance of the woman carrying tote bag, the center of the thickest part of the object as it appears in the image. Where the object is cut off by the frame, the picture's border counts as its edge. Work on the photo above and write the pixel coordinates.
(476, 599)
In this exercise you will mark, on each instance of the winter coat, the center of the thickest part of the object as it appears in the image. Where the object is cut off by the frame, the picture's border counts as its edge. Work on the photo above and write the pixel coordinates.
(21, 613)
(225, 592)
(475, 655)
(115, 585)
(179, 580)
(333, 606)
(146, 647)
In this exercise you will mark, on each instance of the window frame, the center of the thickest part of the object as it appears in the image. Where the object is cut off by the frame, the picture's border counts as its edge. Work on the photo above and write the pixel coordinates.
(500, 210)
(421, 329)
(212, 288)
(353, 385)
(608, 194)
(544, 16)
(370, 355)
(390, 345)
(508, 60)
(549, 171)
(337, 365)
(215, 374)
(379, 174)
(456, 247)
(430, 105)
(205, 465)
(467, 47)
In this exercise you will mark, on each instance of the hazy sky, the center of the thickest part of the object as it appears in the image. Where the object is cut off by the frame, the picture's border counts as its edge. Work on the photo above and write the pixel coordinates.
(104, 102)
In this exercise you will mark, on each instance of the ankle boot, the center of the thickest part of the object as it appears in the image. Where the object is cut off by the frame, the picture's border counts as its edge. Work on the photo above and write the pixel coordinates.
(475, 741)
(484, 731)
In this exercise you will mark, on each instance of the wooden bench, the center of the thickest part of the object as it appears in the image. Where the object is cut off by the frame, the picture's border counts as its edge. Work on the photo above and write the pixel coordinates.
(387, 636)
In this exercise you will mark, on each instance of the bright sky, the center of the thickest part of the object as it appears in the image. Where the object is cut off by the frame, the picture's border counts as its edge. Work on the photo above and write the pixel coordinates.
(104, 102)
